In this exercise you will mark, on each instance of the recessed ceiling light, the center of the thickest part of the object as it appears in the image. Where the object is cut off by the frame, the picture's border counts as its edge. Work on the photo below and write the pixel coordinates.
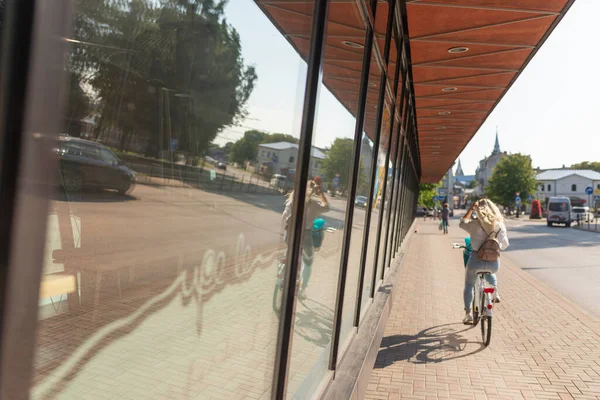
(460, 49)
(435, 153)
(354, 45)
(449, 89)
(444, 113)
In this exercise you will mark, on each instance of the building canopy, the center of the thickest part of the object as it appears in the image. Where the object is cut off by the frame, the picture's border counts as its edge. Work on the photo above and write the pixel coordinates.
(464, 56)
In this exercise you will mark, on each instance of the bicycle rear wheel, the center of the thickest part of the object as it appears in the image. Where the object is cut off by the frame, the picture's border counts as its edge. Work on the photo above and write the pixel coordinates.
(486, 330)
(476, 309)
(486, 323)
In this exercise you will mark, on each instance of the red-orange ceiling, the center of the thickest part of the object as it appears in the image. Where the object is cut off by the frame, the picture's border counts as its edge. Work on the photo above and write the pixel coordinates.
(501, 37)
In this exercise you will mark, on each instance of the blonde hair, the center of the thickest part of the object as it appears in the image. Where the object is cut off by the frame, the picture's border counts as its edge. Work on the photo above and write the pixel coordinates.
(311, 187)
(489, 215)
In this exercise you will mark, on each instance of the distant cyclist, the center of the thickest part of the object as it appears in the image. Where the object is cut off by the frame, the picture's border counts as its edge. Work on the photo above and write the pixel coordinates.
(489, 223)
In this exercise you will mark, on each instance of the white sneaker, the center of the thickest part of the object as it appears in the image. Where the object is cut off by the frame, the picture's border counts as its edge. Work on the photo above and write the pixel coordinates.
(468, 319)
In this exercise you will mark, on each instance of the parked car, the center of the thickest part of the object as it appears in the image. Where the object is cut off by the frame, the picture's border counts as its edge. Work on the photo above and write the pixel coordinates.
(559, 211)
(581, 214)
(361, 201)
(222, 166)
(278, 181)
(83, 163)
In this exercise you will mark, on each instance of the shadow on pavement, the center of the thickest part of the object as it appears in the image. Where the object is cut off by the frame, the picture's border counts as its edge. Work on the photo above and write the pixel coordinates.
(431, 345)
(314, 322)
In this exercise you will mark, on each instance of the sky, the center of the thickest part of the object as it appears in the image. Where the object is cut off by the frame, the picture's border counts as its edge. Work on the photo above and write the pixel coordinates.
(549, 113)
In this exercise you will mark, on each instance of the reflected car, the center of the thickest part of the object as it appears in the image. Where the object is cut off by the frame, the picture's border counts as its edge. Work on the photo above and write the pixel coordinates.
(361, 201)
(222, 166)
(85, 164)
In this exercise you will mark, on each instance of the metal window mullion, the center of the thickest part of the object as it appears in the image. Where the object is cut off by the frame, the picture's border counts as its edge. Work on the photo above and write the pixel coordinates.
(399, 67)
(400, 209)
(394, 205)
(33, 82)
(374, 161)
(358, 131)
(311, 95)
(401, 190)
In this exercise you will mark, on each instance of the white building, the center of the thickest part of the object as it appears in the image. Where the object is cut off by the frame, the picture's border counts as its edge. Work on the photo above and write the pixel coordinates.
(487, 165)
(570, 183)
(281, 157)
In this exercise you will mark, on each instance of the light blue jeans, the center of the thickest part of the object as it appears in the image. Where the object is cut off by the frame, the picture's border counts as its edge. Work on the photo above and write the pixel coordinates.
(474, 266)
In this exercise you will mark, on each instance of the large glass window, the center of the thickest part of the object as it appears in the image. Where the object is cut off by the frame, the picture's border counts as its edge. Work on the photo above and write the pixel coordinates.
(163, 266)
(333, 144)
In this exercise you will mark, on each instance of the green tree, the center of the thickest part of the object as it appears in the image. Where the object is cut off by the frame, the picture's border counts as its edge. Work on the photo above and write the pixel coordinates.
(246, 149)
(162, 70)
(426, 193)
(593, 165)
(513, 174)
(339, 161)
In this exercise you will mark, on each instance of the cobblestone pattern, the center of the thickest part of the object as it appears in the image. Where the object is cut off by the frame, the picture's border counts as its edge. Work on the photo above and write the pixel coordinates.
(543, 346)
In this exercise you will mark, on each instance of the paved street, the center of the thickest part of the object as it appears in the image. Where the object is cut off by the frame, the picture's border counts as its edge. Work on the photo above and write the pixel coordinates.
(566, 259)
(543, 345)
(174, 297)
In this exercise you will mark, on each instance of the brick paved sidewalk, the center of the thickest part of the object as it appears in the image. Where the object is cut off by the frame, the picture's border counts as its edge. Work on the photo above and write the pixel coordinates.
(542, 345)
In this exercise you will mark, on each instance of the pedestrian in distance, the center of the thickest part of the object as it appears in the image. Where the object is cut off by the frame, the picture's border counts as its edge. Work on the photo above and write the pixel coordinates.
(445, 216)
(425, 213)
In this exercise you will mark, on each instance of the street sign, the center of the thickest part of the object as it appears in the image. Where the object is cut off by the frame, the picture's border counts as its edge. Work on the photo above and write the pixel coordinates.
(597, 197)
(597, 191)
(589, 190)
(530, 198)
(435, 198)
(336, 182)
(518, 199)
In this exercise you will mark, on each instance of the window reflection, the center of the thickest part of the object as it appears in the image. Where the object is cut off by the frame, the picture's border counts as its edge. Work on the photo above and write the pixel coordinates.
(164, 238)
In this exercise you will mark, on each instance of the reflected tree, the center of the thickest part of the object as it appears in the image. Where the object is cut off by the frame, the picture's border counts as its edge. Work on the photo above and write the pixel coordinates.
(161, 70)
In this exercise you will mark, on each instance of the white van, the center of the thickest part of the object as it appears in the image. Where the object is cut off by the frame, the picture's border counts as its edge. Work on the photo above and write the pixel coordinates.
(559, 211)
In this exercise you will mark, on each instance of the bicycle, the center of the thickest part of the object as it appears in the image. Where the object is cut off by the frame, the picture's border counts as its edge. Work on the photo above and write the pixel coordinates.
(483, 302)
(318, 233)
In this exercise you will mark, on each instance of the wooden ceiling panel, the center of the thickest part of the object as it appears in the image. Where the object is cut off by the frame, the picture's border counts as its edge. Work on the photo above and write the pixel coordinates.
(520, 5)
(506, 60)
(424, 51)
(451, 19)
(527, 33)
(429, 73)
(476, 46)
(496, 79)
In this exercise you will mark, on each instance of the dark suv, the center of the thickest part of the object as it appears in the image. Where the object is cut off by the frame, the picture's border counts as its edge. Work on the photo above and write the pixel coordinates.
(83, 163)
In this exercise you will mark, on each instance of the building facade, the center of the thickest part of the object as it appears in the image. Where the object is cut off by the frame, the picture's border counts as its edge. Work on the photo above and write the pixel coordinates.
(569, 183)
(486, 167)
(281, 157)
(184, 287)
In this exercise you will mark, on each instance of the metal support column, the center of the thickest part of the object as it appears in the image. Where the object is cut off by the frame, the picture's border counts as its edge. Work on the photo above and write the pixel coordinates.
(374, 161)
(311, 95)
(358, 130)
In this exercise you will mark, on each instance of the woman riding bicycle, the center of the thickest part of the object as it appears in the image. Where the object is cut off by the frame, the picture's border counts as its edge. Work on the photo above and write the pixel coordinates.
(313, 209)
(488, 223)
